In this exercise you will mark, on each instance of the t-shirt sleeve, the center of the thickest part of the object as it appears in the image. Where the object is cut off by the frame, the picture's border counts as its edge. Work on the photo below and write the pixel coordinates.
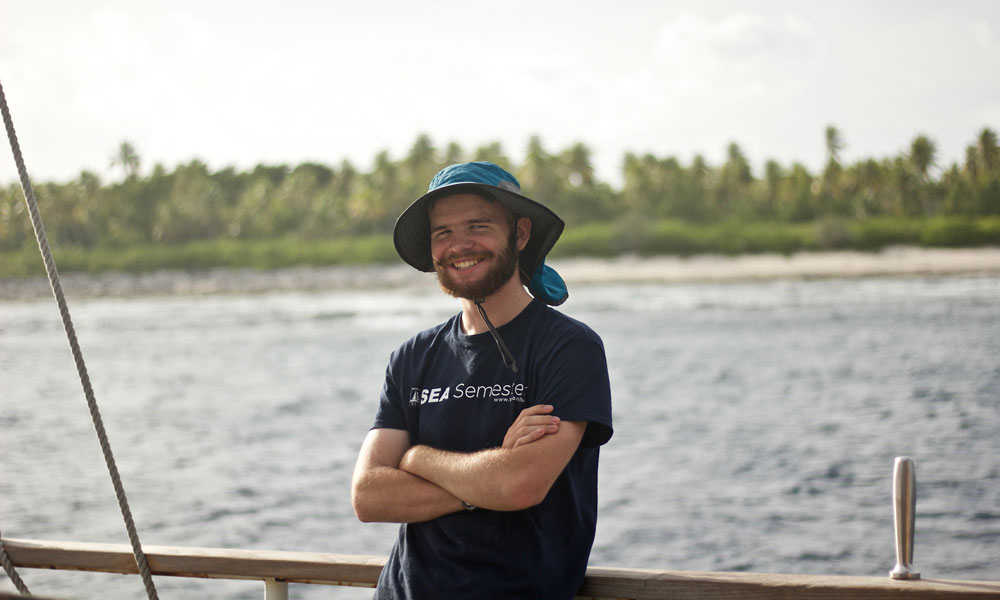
(575, 382)
(390, 413)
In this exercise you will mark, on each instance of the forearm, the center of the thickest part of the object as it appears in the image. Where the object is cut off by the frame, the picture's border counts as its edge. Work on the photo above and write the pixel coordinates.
(387, 495)
(506, 478)
(488, 479)
(381, 492)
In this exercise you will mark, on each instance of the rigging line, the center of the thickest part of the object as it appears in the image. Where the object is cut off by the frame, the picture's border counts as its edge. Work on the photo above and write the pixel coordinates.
(53, 273)
(8, 567)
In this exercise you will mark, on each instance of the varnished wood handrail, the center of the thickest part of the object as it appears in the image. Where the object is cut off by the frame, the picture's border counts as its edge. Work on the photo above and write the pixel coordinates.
(356, 570)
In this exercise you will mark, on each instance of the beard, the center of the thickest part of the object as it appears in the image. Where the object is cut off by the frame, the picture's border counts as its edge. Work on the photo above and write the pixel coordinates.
(494, 279)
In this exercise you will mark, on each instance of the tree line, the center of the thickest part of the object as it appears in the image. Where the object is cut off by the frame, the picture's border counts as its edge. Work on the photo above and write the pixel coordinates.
(313, 201)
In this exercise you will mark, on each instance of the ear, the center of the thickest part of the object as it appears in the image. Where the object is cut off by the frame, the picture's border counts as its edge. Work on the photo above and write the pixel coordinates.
(523, 232)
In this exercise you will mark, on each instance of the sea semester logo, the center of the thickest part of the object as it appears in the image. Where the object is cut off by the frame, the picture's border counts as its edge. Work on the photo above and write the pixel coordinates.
(498, 392)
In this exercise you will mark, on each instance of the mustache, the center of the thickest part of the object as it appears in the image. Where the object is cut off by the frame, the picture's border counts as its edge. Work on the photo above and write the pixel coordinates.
(444, 262)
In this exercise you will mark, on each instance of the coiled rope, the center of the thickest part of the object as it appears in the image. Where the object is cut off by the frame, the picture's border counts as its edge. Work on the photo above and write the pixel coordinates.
(53, 274)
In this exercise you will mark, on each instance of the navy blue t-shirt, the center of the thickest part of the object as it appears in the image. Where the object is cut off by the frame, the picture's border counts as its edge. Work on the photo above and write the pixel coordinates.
(452, 391)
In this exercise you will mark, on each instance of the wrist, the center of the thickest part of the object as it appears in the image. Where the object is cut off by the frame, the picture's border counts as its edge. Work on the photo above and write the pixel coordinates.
(417, 460)
(406, 463)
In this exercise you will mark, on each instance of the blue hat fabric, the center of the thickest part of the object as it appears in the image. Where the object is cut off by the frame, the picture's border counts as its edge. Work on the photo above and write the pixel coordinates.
(412, 235)
(547, 285)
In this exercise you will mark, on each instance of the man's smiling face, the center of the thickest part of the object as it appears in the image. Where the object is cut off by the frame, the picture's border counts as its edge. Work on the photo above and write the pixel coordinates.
(474, 245)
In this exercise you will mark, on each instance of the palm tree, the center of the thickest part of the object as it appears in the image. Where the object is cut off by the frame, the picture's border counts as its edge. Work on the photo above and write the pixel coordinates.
(870, 192)
(422, 159)
(834, 144)
(772, 186)
(388, 199)
(989, 152)
(738, 164)
(796, 203)
(577, 162)
(831, 188)
(988, 180)
(194, 208)
(921, 157)
(453, 154)
(923, 151)
(730, 194)
(637, 187)
(418, 167)
(127, 158)
(539, 174)
(345, 180)
(697, 199)
(494, 153)
(972, 162)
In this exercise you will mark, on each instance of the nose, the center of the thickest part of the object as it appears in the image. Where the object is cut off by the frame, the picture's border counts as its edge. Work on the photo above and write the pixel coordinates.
(461, 242)
(457, 245)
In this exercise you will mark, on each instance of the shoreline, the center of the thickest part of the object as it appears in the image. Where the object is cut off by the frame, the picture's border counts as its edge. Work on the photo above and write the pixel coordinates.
(895, 261)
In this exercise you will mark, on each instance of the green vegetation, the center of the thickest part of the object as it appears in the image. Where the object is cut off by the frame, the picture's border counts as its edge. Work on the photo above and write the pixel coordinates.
(598, 240)
(275, 215)
(732, 237)
(258, 254)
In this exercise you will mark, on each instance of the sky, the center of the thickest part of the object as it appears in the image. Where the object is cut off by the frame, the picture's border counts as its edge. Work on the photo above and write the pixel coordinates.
(238, 83)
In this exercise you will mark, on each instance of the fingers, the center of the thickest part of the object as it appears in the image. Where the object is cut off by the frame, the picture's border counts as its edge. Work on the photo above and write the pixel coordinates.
(532, 424)
(535, 417)
(537, 409)
(535, 434)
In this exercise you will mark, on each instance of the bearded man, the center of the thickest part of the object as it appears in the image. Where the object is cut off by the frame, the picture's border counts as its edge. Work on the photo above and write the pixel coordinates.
(487, 433)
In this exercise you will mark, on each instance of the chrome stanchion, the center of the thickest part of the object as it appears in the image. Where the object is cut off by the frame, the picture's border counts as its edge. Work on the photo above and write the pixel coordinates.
(904, 504)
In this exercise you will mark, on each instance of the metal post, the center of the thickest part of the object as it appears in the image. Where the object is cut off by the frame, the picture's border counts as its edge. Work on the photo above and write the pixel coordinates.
(275, 590)
(904, 504)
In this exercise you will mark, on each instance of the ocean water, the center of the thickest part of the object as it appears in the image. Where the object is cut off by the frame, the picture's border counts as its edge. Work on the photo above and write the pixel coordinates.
(755, 424)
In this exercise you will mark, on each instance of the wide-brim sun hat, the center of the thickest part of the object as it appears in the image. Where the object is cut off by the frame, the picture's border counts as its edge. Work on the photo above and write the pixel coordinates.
(412, 233)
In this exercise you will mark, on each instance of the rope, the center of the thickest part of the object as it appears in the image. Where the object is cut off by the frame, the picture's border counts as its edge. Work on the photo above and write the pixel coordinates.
(11, 572)
(50, 268)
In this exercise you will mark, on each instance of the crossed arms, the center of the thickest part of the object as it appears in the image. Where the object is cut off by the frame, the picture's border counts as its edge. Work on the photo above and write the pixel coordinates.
(399, 483)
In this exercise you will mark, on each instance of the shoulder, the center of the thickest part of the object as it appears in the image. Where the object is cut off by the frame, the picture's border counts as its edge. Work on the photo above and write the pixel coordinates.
(560, 327)
(427, 338)
(563, 344)
(570, 371)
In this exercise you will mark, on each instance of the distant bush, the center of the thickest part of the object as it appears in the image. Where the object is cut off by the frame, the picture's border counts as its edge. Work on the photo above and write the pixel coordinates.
(596, 240)
(876, 233)
(833, 234)
(960, 231)
(990, 229)
(673, 237)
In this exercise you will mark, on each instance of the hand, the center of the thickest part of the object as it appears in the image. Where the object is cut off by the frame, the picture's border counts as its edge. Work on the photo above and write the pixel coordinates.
(532, 424)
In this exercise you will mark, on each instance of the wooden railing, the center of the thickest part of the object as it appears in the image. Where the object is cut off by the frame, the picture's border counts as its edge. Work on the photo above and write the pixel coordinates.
(276, 569)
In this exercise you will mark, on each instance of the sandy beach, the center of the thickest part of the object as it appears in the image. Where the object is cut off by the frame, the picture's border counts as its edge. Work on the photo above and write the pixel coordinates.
(901, 261)
(892, 261)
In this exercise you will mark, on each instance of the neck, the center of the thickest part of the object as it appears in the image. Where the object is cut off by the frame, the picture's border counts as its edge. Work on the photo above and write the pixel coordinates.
(505, 304)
